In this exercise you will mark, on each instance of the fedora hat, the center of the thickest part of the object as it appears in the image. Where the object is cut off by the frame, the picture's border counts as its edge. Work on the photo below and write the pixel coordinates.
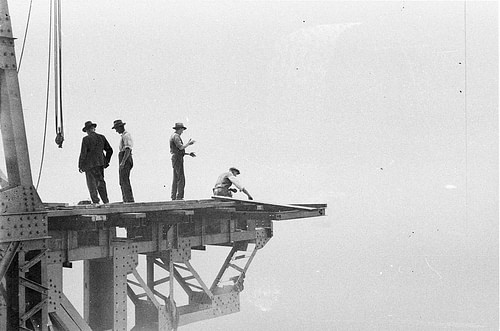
(88, 125)
(234, 169)
(179, 126)
(118, 123)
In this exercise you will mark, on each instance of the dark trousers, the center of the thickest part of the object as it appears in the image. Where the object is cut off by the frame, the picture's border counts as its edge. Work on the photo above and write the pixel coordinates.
(124, 174)
(222, 191)
(96, 183)
(178, 180)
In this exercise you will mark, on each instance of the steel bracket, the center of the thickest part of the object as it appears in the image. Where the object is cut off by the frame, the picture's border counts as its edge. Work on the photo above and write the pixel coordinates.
(19, 227)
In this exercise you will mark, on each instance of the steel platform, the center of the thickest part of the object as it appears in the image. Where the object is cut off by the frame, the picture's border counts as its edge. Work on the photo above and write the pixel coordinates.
(109, 240)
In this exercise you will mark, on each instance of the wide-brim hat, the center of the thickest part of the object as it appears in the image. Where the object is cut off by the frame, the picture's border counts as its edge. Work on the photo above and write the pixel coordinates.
(179, 126)
(88, 125)
(118, 123)
(234, 169)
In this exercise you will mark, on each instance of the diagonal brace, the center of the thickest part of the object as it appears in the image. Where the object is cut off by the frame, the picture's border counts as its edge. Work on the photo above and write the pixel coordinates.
(7, 258)
(27, 266)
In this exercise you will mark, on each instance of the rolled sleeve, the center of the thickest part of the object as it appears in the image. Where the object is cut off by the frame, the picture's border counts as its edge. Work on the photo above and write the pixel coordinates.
(127, 141)
(178, 141)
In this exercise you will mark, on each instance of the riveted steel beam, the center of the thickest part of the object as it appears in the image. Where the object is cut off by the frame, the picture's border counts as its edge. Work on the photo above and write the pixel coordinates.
(11, 114)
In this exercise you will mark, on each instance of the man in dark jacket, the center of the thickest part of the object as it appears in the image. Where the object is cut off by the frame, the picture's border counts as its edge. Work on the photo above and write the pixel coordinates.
(92, 161)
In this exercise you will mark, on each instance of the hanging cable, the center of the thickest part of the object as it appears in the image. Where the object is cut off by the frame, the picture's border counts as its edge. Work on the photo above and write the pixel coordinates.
(46, 98)
(58, 73)
(25, 37)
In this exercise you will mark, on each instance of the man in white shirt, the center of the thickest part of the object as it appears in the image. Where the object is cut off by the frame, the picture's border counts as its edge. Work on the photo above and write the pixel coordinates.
(125, 159)
(226, 180)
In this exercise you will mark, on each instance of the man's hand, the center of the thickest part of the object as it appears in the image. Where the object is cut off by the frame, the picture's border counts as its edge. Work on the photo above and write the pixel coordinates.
(80, 170)
(191, 141)
(250, 197)
(192, 154)
(233, 190)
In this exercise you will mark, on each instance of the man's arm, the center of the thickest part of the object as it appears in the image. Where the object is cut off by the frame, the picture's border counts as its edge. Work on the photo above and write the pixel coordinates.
(178, 142)
(108, 150)
(238, 184)
(127, 144)
(244, 190)
(83, 156)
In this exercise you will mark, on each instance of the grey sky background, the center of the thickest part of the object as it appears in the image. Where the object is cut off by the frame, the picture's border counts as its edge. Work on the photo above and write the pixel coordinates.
(387, 111)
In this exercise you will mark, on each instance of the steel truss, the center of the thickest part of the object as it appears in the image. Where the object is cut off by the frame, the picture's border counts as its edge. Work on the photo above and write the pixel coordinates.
(108, 282)
(157, 310)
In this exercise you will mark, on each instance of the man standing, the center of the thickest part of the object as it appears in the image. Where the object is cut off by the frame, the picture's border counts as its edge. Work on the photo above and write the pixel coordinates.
(178, 150)
(226, 180)
(125, 160)
(92, 161)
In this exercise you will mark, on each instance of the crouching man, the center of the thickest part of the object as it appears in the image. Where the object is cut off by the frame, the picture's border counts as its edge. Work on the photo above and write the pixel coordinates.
(226, 180)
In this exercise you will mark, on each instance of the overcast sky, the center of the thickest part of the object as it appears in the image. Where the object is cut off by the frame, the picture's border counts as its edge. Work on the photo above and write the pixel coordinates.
(387, 111)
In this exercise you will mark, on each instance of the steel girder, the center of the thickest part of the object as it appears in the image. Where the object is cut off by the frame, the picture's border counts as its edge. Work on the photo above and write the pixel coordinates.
(11, 113)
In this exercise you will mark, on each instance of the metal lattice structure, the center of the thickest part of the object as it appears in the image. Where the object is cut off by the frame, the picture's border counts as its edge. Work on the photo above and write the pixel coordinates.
(164, 232)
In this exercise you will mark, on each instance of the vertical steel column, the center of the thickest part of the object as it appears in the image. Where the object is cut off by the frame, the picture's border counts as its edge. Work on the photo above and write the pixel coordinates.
(98, 294)
(11, 112)
(105, 288)
(55, 281)
(25, 284)
(150, 271)
(122, 267)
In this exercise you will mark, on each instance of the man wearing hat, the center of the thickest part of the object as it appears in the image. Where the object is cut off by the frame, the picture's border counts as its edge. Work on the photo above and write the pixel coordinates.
(92, 161)
(178, 150)
(125, 160)
(226, 180)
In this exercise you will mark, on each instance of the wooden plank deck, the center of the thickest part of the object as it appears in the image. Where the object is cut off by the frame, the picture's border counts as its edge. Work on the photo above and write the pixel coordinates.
(65, 217)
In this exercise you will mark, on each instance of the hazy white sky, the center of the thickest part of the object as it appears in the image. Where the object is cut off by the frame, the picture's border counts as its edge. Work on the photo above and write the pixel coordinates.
(270, 87)
(387, 111)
